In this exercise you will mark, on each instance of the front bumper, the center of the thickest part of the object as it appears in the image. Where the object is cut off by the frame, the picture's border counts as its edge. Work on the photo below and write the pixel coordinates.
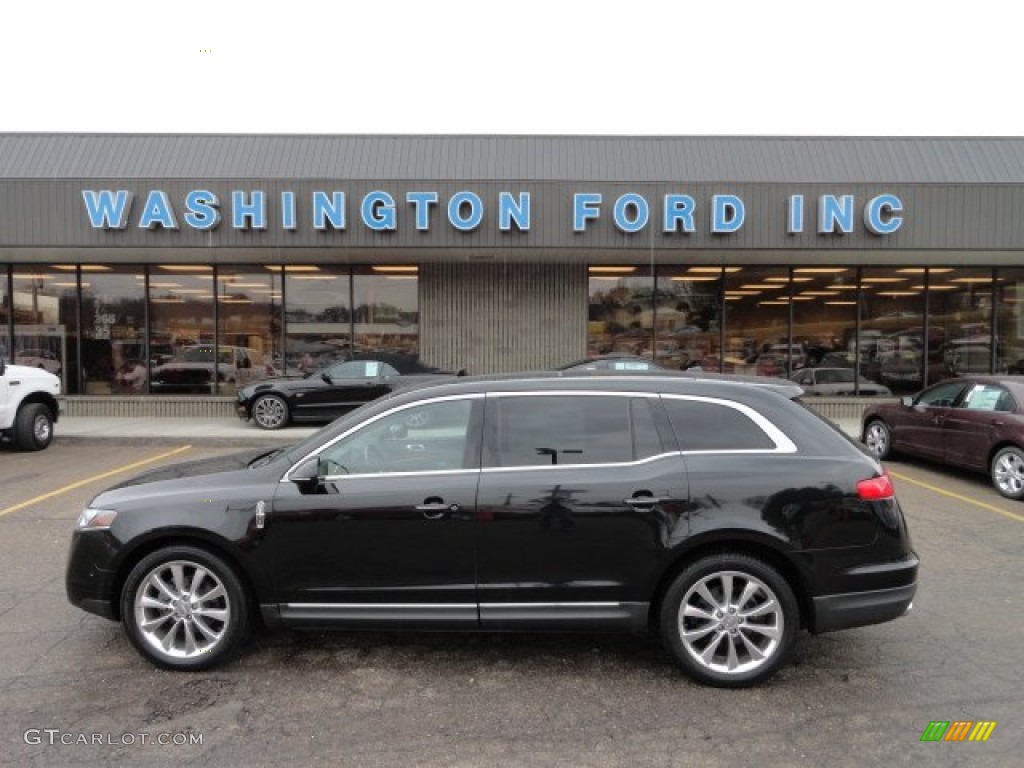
(89, 585)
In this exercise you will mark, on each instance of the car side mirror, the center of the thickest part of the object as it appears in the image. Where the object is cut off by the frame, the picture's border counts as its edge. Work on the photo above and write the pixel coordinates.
(307, 473)
(907, 401)
(326, 377)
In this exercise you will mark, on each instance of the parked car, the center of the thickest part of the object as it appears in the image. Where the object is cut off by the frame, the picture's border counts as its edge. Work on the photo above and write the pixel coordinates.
(612, 363)
(39, 358)
(192, 369)
(325, 394)
(28, 406)
(832, 382)
(975, 422)
(720, 514)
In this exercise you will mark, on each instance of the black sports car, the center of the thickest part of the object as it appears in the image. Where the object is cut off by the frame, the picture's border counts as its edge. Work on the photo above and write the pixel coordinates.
(323, 395)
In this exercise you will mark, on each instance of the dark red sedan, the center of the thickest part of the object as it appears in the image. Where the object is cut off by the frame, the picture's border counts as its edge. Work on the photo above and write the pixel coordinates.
(975, 422)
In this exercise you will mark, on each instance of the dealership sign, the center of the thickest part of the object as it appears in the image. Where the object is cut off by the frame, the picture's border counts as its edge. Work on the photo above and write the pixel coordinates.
(465, 211)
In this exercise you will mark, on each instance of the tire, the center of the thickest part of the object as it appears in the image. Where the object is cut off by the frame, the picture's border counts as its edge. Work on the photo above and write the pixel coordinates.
(730, 620)
(33, 427)
(184, 608)
(1007, 472)
(878, 439)
(270, 412)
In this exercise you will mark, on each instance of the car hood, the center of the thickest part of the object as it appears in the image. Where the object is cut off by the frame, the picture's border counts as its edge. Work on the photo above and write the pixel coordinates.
(25, 373)
(191, 469)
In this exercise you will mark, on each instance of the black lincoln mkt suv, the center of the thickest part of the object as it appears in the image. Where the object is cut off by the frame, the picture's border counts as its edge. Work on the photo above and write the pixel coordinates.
(720, 515)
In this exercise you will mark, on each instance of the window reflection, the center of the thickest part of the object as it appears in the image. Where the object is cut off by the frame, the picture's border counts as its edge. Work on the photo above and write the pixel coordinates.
(756, 311)
(621, 313)
(113, 324)
(45, 304)
(181, 335)
(688, 317)
(386, 309)
(1010, 320)
(5, 340)
(960, 322)
(892, 343)
(318, 316)
(249, 314)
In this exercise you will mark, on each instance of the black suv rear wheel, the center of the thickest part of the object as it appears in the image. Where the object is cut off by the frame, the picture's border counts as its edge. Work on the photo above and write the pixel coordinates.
(730, 620)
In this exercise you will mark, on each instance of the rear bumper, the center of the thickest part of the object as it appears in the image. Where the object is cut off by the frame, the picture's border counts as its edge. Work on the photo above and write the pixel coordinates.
(873, 593)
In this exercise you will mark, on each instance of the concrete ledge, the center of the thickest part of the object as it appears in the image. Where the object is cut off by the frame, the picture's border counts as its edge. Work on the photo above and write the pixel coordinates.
(843, 408)
(201, 407)
(151, 407)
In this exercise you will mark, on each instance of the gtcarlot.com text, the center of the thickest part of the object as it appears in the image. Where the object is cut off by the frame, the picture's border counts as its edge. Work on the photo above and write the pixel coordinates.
(57, 737)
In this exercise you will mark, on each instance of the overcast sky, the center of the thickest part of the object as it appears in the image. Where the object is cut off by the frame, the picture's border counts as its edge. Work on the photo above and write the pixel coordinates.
(682, 67)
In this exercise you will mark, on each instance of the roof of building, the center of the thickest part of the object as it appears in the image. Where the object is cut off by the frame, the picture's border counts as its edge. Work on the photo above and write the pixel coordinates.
(673, 159)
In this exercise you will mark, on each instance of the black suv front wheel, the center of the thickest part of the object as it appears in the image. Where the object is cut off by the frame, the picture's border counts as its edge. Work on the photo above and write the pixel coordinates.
(184, 608)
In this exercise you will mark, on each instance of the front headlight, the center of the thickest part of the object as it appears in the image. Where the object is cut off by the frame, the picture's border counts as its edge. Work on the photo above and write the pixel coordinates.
(95, 519)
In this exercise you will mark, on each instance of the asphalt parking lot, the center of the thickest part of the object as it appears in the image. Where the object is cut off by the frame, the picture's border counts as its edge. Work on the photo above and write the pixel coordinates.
(855, 698)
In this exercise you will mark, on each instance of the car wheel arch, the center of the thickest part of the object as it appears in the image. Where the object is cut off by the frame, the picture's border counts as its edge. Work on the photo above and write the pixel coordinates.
(759, 548)
(164, 539)
(1000, 446)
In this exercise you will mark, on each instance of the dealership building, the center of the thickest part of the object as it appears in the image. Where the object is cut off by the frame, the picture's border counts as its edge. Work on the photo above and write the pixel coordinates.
(122, 255)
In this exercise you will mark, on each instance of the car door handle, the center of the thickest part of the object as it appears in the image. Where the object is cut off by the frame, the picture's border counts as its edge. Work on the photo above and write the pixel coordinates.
(642, 501)
(435, 510)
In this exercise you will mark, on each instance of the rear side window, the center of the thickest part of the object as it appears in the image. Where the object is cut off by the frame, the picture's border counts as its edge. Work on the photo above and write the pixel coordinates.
(708, 426)
(562, 429)
(989, 397)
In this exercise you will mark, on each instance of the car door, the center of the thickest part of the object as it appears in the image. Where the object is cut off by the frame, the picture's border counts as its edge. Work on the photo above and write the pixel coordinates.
(579, 496)
(385, 534)
(918, 428)
(344, 387)
(970, 430)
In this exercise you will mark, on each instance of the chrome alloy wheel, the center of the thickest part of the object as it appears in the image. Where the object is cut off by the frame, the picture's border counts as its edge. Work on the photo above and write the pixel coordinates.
(1008, 473)
(270, 412)
(182, 609)
(41, 428)
(876, 438)
(731, 622)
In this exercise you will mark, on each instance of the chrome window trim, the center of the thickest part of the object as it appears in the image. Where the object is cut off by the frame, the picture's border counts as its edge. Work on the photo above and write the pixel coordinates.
(782, 442)
(421, 473)
(535, 467)
(572, 393)
(415, 404)
(379, 606)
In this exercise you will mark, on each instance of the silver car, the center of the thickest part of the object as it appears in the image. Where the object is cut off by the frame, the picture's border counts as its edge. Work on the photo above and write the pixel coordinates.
(831, 382)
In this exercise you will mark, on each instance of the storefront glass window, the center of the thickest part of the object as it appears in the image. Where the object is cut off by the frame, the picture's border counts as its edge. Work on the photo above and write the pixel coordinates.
(621, 314)
(892, 340)
(113, 324)
(5, 317)
(181, 331)
(688, 318)
(825, 317)
(386, 309)
(1010, 320)
(249, 307)
(318, 316)
(756, 307)
(959, 322)
(45, 304)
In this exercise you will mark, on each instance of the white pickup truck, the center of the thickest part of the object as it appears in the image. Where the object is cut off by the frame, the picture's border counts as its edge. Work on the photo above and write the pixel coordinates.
(28, 406)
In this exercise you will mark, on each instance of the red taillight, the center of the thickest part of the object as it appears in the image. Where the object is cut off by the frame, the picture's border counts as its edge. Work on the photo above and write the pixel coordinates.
(876, 488)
